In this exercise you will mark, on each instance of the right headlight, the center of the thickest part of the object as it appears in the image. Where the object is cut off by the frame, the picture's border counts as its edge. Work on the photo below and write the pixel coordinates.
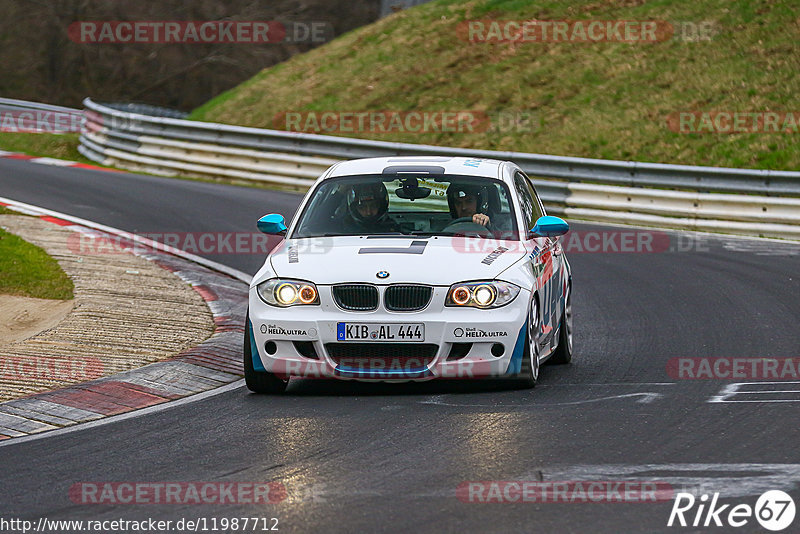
(489, 294)
(285, 293)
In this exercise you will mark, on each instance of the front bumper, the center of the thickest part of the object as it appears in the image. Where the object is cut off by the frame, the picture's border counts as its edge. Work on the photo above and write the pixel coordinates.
(460, 343)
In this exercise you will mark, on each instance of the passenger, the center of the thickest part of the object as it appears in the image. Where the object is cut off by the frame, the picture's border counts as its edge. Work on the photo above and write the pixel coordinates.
(367, 207)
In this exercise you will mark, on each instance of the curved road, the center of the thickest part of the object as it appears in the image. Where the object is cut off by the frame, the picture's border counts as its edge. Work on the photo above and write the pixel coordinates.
(362, 457)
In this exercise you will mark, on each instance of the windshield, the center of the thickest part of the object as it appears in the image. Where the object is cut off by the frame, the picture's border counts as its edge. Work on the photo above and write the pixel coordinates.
(408, 204)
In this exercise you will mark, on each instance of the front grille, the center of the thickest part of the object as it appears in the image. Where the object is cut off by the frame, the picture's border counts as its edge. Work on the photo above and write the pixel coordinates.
(407, 298)
(382, 356)
(356, 297)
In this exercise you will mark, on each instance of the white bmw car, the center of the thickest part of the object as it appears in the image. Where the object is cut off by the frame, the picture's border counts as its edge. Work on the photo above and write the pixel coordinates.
(411, 268)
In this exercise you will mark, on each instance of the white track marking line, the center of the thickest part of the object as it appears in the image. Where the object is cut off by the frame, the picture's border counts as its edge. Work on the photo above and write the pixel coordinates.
(646, 398)
(36, 210)
(607, 384)
(129, 415)
(52, 161)
(239, 275)
(689, 233)
(732, 390)
(731, 480)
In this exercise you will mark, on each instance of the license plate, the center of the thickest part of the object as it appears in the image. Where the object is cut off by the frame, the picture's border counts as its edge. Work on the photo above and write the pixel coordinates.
(393, 332)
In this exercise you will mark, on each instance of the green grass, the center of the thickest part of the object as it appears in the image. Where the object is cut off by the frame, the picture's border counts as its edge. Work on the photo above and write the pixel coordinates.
(27, 270)
(60, 146)
(601, 100)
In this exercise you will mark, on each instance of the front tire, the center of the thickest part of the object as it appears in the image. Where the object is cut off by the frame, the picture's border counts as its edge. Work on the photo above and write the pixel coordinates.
(529, 372)
(259, 381)
(563, 352)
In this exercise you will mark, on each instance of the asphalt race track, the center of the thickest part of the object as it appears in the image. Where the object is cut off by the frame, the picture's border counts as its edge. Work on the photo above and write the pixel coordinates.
(389, 457)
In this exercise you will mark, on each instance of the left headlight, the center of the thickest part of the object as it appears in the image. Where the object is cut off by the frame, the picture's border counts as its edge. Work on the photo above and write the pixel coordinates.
(285, 293)
(489, 294)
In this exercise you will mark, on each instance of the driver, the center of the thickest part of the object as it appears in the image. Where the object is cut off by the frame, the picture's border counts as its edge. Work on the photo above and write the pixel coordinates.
(467, 201)
(367, 206)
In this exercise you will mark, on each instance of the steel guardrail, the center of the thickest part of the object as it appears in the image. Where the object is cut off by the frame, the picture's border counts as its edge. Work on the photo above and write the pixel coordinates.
(743, 201)
(628, 173)
(36, 106)
(21, 116)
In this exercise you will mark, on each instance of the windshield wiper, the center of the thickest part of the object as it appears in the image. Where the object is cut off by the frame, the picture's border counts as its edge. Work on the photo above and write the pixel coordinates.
(429, 233)
(354, 235)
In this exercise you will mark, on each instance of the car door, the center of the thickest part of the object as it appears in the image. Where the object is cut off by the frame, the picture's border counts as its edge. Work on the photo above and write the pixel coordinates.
(558, 258)
(545, 259)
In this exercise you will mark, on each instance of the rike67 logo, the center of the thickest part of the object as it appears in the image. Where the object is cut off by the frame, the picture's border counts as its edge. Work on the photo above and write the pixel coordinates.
(774, 510)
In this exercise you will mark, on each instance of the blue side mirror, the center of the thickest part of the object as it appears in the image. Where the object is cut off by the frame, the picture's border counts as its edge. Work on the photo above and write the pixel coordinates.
(273, 224)
(549, 226)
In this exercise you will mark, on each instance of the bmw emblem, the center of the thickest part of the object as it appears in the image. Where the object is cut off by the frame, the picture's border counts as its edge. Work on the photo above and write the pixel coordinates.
(383, 274)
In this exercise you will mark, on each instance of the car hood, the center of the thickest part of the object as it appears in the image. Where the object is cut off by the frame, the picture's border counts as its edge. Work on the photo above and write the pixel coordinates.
(431, 260)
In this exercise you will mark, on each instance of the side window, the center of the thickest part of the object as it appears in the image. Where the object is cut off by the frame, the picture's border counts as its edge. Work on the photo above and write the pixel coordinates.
(500, 194)
(537, 203)
(526, 201)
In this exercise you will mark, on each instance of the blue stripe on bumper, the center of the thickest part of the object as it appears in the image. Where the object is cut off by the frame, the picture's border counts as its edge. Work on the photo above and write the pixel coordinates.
(515, 363)
(355, 372)
(257, 365)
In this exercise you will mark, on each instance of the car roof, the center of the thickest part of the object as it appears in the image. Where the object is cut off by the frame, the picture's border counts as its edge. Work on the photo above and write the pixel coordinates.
(489, 168)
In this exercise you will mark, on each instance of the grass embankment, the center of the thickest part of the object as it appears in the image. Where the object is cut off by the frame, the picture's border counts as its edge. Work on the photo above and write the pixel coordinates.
(60, 146)
(26, 270)
(604, 100)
